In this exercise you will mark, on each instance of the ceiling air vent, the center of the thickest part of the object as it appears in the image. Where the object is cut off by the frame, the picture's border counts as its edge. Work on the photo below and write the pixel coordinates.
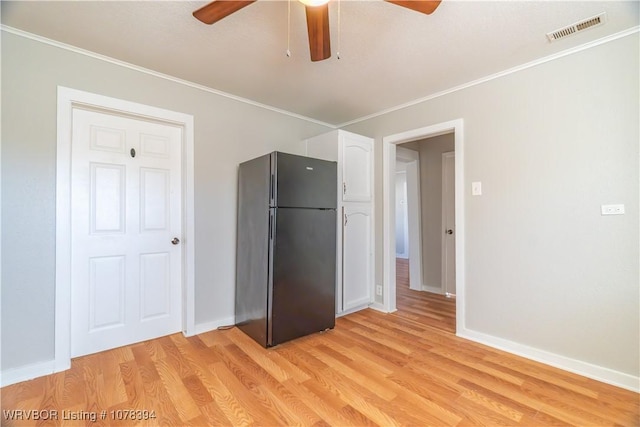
(577, 27)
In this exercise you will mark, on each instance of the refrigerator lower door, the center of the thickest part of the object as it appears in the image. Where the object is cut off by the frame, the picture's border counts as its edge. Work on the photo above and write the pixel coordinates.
(304, 273)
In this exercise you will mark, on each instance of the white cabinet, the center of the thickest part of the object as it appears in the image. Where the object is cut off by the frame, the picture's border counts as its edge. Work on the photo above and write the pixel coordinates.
(357, 164)
(354, 154)
(356, 256)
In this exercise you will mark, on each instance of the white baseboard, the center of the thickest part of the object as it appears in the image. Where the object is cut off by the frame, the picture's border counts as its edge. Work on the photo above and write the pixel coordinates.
(201, 328)
(353, 310)
(599, 373)
(434, 289)
(380, 307)
(26, 373)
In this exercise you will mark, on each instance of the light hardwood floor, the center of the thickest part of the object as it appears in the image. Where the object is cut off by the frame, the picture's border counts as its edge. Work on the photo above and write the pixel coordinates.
(427, 308)
(405, 368)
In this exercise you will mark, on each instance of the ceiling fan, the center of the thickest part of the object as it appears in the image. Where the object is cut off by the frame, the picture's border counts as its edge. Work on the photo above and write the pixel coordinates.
(317, 18)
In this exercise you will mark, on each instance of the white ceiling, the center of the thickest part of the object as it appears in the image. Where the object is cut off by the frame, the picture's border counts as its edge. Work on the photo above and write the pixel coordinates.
(389, 55)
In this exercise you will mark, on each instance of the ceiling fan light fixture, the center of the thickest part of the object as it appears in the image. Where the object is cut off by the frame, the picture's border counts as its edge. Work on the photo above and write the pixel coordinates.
(314, 3)
(317, 12)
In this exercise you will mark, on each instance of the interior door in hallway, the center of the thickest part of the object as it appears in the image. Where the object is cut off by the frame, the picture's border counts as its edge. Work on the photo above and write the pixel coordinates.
(448, 224)
(126, 259)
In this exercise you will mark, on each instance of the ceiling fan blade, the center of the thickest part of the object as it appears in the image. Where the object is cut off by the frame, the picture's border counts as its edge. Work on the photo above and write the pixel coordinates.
(216, 10)
(423, 6)
(318, 29)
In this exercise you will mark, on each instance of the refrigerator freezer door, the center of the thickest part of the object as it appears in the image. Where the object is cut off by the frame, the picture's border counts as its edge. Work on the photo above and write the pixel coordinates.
(304, 182)
(304, 273)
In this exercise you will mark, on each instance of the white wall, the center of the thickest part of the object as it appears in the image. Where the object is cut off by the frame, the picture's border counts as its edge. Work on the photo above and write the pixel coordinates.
(550, 143)
(226, 132)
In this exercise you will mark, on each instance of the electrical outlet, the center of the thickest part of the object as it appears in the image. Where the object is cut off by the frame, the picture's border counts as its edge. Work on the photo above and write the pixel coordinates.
(378, 290)
(612, 209)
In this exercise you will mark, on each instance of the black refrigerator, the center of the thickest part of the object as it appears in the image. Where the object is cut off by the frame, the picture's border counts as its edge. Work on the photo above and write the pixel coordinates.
(286, 247)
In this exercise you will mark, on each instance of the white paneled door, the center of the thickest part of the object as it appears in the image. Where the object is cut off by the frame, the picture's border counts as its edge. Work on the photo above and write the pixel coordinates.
(126, 262)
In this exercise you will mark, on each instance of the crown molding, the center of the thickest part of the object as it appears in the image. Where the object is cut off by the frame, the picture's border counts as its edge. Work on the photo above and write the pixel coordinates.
(516, 69)
(150, 72)
(553, 57)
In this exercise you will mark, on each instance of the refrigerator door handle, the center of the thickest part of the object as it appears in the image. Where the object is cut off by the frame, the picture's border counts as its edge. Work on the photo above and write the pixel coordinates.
(272, 188)
(270, 226)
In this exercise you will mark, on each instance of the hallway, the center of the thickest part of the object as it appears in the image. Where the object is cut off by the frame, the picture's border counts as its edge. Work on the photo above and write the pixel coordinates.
(428, 308)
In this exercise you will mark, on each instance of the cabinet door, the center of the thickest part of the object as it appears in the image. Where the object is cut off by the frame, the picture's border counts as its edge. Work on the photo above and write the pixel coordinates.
(357, 167)
(357, 266)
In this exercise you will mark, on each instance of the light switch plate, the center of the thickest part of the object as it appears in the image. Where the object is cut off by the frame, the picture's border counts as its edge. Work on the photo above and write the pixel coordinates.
(612, 209)
(476, 188)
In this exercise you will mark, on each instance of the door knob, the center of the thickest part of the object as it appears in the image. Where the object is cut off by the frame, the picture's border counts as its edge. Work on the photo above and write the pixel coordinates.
(175, 241)
(449, 231)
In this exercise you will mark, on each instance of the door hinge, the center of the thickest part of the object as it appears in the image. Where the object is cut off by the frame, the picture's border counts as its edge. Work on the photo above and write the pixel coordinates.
(346, 219)
(344, 188)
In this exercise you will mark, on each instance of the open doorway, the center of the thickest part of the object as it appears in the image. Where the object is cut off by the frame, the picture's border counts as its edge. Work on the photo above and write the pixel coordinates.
(407, 200)
(427, 308)
(436, 277)
(402, 217)
(435, 207)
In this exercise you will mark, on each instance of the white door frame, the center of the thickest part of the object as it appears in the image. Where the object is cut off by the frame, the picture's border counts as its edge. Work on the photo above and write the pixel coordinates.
(72, 98)
(388, 205)
(443, 236)
(414, 214)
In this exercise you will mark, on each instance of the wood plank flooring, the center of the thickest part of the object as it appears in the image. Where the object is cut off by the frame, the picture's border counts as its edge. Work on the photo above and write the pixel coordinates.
(405, 368)
(427, 308)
